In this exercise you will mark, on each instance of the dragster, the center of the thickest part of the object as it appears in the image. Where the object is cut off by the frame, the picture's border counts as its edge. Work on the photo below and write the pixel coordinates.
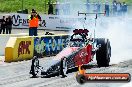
(81, 50)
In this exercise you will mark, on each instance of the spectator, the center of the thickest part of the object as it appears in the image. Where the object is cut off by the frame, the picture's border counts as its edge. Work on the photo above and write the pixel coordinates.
(64, 8)
(94, 7)
(98, 7)
(34, 19)
(57, 8)
(67, 8)
(124, 8)
(9, 23)
(107, 10)
(88, 6)
(3, 25)
(50, 10)
(114, 7)
(119, 8)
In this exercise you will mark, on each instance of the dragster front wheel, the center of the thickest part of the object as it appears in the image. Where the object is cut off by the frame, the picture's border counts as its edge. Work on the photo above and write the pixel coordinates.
(63, 67)
(80, 79)
(34, 67)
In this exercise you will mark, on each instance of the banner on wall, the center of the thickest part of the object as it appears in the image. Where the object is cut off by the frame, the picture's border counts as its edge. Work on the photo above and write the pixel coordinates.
(48, 21)
(50, 45)
(52, 22)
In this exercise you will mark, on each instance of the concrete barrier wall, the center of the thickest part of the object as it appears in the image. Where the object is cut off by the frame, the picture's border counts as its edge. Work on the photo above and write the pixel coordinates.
(24, 48)
(49, 45)
(3, 40)
(19, 48)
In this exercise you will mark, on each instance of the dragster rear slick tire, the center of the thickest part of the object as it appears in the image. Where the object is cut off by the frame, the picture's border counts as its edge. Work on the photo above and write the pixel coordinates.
(103, 54)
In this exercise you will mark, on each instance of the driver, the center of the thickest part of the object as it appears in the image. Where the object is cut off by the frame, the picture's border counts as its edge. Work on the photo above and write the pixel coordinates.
(76, 44)
(80, 44)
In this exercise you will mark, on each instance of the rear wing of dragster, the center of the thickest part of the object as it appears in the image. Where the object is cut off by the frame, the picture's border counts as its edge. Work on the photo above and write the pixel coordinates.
(83, 13)
(96, 13)
(79, 13)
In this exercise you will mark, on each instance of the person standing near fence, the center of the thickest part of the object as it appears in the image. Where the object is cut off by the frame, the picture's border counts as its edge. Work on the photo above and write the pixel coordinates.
(124, 8)
(50, 10)
(98, 7)
(9, 23)
(3, 25)
(57, 8)
(88, 6)
(33, 23)
(107, 10)
(64, 8)
(68, 8)
(119, 8)
(114, 7)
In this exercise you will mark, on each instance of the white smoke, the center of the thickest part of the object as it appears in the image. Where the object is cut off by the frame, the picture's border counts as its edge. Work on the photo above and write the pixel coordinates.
(117, 29)
(120, 34)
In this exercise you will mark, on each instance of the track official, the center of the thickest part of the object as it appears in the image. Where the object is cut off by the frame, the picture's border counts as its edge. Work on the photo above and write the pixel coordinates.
(34, 19)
